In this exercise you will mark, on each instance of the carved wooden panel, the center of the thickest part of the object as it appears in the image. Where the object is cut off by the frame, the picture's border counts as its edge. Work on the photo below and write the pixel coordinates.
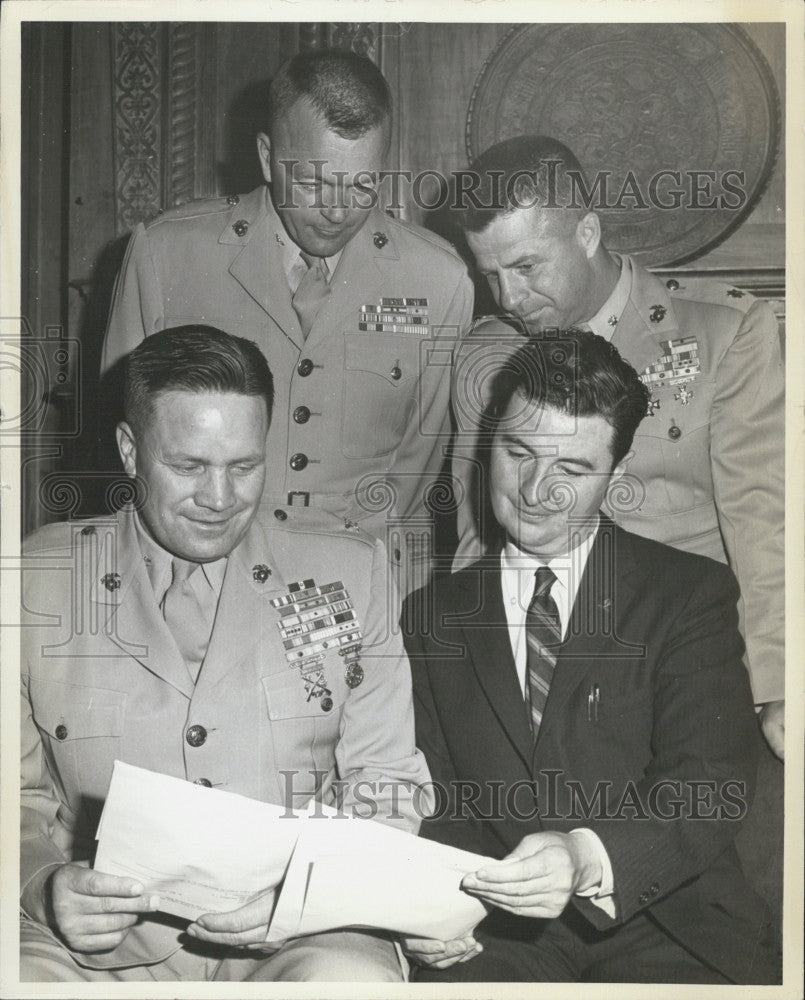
(136, 58)
(163, 80)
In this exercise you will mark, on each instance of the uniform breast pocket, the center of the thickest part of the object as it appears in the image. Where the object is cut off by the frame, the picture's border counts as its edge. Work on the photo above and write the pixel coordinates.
(305, 716)
(381, 373)
(82, 729)
(672, 451)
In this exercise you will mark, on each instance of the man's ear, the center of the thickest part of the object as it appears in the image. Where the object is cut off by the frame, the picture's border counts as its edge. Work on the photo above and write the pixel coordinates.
(620, 468)
(264, 154)
(588, 233)
(127, 446)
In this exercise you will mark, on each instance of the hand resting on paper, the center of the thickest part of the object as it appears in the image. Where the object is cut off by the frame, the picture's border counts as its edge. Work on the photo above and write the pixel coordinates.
(539, 877)
(245, 927)
(440, 954)
(90, 911)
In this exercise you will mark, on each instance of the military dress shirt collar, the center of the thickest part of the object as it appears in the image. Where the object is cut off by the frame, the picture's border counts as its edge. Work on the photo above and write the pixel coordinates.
(158, 564)
(289, 251)
(606, 319)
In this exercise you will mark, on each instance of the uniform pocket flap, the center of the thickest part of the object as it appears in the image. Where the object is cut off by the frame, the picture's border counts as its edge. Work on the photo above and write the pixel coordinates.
(394, 358)
(76, 711)
(288, 696)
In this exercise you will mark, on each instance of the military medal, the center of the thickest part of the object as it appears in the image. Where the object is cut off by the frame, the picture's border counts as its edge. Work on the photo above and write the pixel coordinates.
(353, 674)
(684, 395)
(312, 620)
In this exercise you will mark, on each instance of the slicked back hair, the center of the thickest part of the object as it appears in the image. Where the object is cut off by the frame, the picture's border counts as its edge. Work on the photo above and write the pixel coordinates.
(193, 358)
(576, 372)
(346, 89)
(527, 171)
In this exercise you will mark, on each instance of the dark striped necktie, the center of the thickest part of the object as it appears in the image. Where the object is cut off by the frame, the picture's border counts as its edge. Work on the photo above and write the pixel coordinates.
(543, 630)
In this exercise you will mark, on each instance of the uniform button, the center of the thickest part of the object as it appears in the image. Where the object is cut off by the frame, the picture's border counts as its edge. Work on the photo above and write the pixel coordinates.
(654, 889)
(298, 461)
(61, 732)
(643, 897)
(396, 373)
(305, 367)
(196, 736)
(674, 433)
(204, 782)
(241, 227)
(672, 283)
(280, 515)
(233, 199)
(326, 704)
(301, 414)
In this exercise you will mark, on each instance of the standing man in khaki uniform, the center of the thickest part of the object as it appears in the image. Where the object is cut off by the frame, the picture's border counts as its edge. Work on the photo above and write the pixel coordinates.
(358, 313)
(159, 637)
(707, 470)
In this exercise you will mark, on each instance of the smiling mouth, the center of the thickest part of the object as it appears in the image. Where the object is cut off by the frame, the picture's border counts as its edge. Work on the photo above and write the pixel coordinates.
(534, 515)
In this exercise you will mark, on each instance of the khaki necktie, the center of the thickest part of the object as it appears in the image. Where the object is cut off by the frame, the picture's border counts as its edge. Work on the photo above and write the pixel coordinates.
(543, 634)
(183, 613)
(312, 291)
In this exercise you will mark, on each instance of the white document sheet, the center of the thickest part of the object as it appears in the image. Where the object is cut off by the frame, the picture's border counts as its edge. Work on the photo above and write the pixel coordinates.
(349, 872)
(201, 850)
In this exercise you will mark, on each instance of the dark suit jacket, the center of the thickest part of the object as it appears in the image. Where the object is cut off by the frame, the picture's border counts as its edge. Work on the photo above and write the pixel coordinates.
(656, 630)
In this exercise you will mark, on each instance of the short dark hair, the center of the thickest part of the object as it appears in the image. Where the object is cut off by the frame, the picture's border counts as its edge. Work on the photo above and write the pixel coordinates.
(193, 358)
(525, 171)
(346, 89)
(577, 372)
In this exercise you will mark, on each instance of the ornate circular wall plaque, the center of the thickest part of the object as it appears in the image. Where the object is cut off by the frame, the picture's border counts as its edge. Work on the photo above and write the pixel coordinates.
(676, 125)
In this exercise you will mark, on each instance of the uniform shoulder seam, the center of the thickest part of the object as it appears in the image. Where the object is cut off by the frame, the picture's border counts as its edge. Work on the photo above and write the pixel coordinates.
(433, 239)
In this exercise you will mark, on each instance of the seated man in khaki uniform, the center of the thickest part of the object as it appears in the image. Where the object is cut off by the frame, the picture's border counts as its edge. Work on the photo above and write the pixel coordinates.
(153, 637)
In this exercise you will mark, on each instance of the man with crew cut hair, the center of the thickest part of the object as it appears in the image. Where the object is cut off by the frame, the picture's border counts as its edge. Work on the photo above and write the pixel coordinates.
(357, 312)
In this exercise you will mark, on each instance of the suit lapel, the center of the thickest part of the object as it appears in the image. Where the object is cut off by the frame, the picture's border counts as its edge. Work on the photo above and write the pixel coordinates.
(241, 622)
(592, 632)
(487, 637)
(355, 282)
(130, 615)
(648, 318)
(259, 269)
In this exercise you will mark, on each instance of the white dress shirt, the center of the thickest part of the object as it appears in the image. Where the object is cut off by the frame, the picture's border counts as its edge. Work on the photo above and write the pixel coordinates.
(517, 571)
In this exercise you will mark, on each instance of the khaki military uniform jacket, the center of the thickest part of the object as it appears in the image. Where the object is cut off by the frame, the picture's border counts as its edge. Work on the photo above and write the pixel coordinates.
(708, 469)
(361, 416)
(102, 678)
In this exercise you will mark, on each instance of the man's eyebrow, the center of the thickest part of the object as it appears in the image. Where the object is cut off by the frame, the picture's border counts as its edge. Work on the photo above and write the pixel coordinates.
(186, 456)
(522, 259)
(536, 449)
(525, 258)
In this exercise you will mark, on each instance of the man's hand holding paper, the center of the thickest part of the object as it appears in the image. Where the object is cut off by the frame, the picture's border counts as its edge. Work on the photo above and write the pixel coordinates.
(336, 870)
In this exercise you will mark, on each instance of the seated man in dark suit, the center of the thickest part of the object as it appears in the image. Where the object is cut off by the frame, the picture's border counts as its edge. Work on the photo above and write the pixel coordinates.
(582, 704)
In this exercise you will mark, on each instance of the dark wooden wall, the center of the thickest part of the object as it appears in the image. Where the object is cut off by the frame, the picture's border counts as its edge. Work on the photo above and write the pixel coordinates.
(120, 120)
